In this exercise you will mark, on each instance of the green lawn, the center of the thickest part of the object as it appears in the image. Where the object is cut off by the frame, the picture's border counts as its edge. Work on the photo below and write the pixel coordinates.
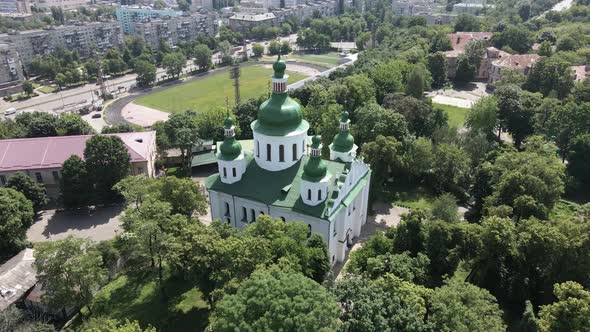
(411, 197)
(47, 89)
(211, 92)
(126, 298)
(457, 115)
(331, 58)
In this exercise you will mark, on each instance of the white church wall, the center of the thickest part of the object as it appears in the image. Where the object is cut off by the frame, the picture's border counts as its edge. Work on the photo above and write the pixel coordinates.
(231, 171)
(313, 193)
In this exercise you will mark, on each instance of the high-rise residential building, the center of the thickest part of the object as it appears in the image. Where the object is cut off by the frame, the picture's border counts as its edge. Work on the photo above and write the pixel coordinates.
(126, 15)
(85, 38)
(11, 73)
(63, 4)
(174, 29)
(15, 6)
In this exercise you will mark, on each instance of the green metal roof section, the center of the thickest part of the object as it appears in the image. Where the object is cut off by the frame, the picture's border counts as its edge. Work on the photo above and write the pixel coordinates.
(343, 141)
(279, 115)
(230, 149)
(203, 158)
(315, 168)
(267, 187)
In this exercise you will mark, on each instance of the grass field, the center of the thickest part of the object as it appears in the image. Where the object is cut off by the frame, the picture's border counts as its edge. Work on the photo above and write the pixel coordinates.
(412, 197)
(126, 298)
(47, 89)
(211, 92)
(457, 115)
(331, 58)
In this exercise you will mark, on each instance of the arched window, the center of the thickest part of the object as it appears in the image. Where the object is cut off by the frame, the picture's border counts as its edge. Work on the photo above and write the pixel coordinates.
(227, 214)
(303, 146)
(309, 194)
(268, 158)
(294, 151)
(224, 172)
(319, 194)
(253, 215)
(244, 214)
(283, 219)
(281, 153)
(233, 172)
(257, 149)
(309, 231)
(261, 213)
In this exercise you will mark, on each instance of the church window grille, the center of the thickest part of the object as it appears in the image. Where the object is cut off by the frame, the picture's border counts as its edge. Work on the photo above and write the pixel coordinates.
(224, 172)
(309, 230)
(253, 215)
(227, 214)
(319, 194)
(244, 214)
(257, 149)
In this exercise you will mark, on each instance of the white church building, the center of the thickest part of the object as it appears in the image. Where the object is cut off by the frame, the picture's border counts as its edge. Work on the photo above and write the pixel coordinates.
(285, 176)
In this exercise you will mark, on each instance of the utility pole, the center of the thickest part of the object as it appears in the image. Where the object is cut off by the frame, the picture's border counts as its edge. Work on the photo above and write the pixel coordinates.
(99, 80)
(234, 73)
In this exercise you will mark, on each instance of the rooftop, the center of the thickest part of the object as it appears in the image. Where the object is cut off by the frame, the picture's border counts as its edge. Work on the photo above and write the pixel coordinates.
(51, 152)
(580, 72)
(253, 17)
(517, 60)
(17, 276)
(281, 189)
(460, 39)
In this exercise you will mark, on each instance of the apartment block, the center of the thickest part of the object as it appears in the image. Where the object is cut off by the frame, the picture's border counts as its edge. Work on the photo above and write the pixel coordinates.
(63, 4)
(85, 38)
(127, 15)
(15, 6)
(11, 73)
(174, 29)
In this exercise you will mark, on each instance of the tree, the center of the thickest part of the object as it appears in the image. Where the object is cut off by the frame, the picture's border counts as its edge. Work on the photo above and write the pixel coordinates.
(258, 50)
(60, 80)
(274, 301)
(416, 81)
(374, 120)
(511, 76)
(570, 312)
(183, 5)
(466, 22)
(566, 123)
(285, 47)
(550, 76)
(517, 111)
(483, 116)
(389, 77)
(444, 208)
(461, 306)
(421, 118)
(437, 65)
(360, 91)
(107, 162)
(465, 70)
(102, 324)
(517, 38)
(121, 128)
(146, 73)
(274, 47)
(528, 321)
(27, 87)
(440, 42)
(182, 132)
(75, 185)
(566, 43)
(16, 215)
(579, 158)
(73, 124)
(581, 92)
(173, 63)
(70, 272)
(383, 155)
(450, 170)
(32, 190)
(159, 4)
(545, 49)
(202, 55)
(474, 51)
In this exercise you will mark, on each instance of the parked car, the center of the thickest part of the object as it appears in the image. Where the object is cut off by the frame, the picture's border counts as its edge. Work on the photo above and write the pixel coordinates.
(10, 111)
(96, 115)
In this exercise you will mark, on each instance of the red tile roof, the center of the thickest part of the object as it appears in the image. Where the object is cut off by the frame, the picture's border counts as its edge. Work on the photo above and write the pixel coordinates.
(51, 152)
(517, 60)
(460, 39)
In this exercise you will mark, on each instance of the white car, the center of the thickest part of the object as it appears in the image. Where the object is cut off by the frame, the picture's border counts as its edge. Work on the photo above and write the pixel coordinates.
(10, 111)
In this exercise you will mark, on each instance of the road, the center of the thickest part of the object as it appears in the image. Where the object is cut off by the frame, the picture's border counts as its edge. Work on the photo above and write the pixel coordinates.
(563, 5)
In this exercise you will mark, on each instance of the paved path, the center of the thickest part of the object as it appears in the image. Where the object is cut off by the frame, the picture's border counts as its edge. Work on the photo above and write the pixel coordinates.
(103, 224)
(452, 101)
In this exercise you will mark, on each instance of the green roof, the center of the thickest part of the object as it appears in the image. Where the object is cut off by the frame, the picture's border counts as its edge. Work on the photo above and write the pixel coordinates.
(203, 158)
(280, 189)
(258, 127)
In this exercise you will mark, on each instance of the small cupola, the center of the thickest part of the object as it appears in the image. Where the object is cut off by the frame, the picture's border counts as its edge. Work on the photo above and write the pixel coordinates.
(315, 177)
(343, 146)
(230, 159)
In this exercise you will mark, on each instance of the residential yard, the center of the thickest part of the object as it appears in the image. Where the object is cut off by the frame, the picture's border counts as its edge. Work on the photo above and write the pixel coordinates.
(183, 308)
(457, 115)
(211, 92)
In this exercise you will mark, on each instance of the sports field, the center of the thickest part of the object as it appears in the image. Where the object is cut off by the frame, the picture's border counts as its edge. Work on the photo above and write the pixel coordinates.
(211, 92)
(331, 58)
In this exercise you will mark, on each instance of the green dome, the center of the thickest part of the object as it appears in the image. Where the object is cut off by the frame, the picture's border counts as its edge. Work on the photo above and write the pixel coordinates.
(315, 169)
(228, 123)
(230, 149)
(343, 141)
(280, 111)
(279, 67)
